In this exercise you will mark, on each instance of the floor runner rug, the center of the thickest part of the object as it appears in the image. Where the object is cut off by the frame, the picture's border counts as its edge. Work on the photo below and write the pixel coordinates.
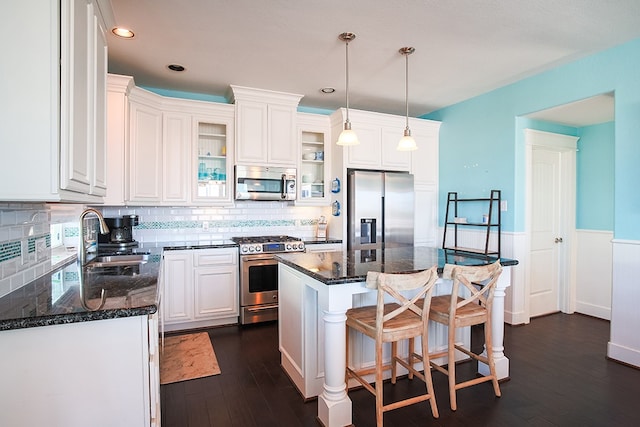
(186, 357)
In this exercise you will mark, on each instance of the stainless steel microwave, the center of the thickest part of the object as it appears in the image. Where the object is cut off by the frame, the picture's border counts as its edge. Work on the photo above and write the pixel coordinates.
(265, 183)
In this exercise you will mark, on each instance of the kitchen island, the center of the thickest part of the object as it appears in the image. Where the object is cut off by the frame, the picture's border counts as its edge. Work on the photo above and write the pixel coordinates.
(71, 360)
(316, 290)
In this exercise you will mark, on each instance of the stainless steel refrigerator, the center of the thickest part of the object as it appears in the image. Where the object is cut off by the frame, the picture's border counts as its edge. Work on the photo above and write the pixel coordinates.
(379, 209)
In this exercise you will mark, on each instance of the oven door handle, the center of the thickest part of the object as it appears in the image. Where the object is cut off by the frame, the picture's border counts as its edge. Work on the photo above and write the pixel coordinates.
(262, 307)
(257, 259)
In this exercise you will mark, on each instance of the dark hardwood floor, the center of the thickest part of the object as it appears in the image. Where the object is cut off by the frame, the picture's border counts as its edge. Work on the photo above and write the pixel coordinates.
(559, 376)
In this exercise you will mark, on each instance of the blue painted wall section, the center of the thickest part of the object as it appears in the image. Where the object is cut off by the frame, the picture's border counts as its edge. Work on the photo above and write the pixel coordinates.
(482, 147)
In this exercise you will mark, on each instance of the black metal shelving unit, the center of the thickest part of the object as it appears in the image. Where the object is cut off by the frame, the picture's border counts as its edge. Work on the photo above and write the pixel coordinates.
(493, 224)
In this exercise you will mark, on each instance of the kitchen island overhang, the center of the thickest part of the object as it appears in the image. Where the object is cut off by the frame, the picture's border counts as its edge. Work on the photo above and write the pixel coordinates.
(316, 290)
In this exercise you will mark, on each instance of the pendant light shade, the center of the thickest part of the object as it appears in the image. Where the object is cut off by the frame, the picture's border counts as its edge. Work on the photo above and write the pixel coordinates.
(407, 143)
(347, 136)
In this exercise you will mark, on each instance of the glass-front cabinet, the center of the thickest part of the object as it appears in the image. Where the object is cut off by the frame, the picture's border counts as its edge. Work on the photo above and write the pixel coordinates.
(213, 153)
(313, 173)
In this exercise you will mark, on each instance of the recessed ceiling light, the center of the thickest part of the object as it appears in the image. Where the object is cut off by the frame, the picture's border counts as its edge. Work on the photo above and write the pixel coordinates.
(125, 33)
(327, 90)
(175, 67)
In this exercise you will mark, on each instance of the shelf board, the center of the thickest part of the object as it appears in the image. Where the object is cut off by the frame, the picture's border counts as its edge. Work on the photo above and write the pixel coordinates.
(312, 161)
(473, 224)
(213, 157)
(470, 250)
(212, 135)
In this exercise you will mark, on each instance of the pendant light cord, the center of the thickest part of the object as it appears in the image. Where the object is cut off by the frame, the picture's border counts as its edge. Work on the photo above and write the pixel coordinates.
(347, 77)
(406, 88)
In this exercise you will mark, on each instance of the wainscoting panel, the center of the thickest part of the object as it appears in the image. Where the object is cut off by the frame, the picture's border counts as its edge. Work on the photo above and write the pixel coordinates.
(593, 274)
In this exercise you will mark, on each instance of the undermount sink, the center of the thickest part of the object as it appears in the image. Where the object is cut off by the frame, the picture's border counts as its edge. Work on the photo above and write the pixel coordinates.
(117, 260)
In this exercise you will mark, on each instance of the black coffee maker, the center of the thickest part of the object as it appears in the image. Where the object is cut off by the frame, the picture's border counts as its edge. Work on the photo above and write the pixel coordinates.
(120, 236)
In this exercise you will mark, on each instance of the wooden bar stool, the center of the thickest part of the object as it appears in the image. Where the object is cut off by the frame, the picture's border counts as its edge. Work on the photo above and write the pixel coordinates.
(404, 318)
(478, 284)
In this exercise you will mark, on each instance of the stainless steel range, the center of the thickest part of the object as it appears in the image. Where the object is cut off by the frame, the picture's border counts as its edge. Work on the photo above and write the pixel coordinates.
(259, 275)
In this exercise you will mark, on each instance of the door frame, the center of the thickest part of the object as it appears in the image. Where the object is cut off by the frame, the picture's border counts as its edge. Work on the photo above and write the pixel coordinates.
(566, 146)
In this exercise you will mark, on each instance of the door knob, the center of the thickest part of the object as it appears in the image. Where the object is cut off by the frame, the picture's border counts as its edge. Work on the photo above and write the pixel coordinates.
(558, 239)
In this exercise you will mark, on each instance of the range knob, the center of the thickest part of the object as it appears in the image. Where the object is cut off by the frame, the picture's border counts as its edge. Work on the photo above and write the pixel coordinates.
(301, 246)
(251, 249)
(287, 247)
(245, 249)
(258, 248)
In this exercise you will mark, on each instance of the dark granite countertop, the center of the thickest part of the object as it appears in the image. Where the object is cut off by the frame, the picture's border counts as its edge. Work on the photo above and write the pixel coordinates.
(131, 290)
(333, 268)
(196, 244)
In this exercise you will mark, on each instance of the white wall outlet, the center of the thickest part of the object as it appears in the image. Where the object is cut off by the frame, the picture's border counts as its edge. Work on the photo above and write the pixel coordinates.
(503, 205)
(205, 225)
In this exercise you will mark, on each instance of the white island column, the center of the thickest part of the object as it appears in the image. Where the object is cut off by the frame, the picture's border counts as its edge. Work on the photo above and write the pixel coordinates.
(497, 329)
(334, 405)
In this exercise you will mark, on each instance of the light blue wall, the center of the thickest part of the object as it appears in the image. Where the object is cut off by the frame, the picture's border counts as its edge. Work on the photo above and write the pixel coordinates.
(595, 171)
(482, 146)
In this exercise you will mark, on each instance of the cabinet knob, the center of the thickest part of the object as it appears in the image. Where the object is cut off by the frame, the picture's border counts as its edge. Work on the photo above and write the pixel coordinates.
(558, 240)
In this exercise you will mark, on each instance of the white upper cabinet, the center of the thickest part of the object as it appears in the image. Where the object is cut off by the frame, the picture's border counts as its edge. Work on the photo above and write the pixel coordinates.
(314, 157)
(54, 103)
(118, 88)
(180, 151)
(378, 135)
(213, 153)
(145, 148)
(176, 157)
(265, 127)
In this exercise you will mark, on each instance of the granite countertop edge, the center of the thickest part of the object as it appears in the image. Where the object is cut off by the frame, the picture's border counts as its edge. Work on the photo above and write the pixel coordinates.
(356, 278)
(68, 318)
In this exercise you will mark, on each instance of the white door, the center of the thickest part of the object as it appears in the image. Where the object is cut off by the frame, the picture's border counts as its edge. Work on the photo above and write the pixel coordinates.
(544, 285)
(551, 221)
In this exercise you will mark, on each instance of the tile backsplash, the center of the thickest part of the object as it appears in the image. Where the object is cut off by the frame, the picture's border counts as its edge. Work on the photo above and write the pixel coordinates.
(25, 239)
(25, 244)
(174, 224)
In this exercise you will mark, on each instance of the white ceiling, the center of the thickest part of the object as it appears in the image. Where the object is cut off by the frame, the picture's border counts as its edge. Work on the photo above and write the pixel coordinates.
(463, 47)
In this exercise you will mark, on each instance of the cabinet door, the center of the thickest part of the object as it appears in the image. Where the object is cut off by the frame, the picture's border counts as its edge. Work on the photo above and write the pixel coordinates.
(282, 135)
(117, 119)
(314, 156)
(424, 160)
(391, 158)
(177, 297)
(154, 370)
(145, 154)
(212, 166)
(98, 80)
(216, 292)
(367, 153)
(425, 231)
(76, 114)
(176, 144)
(252, 133)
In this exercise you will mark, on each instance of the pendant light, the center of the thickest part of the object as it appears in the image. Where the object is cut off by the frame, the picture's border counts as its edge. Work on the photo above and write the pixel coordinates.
(407, 143)
(347, 136)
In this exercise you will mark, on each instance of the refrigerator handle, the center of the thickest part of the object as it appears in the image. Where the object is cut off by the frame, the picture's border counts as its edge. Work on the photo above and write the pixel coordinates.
(383, 228)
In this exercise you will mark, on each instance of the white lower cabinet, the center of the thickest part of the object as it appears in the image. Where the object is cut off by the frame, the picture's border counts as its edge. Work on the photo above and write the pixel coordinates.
(200, 288)
(102, 373)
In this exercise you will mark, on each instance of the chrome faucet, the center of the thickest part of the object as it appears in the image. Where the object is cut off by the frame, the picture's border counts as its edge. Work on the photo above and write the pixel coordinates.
(104, 229)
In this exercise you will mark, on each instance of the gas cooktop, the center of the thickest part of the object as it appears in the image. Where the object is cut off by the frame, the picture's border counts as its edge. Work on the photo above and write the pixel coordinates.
(268, 244)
